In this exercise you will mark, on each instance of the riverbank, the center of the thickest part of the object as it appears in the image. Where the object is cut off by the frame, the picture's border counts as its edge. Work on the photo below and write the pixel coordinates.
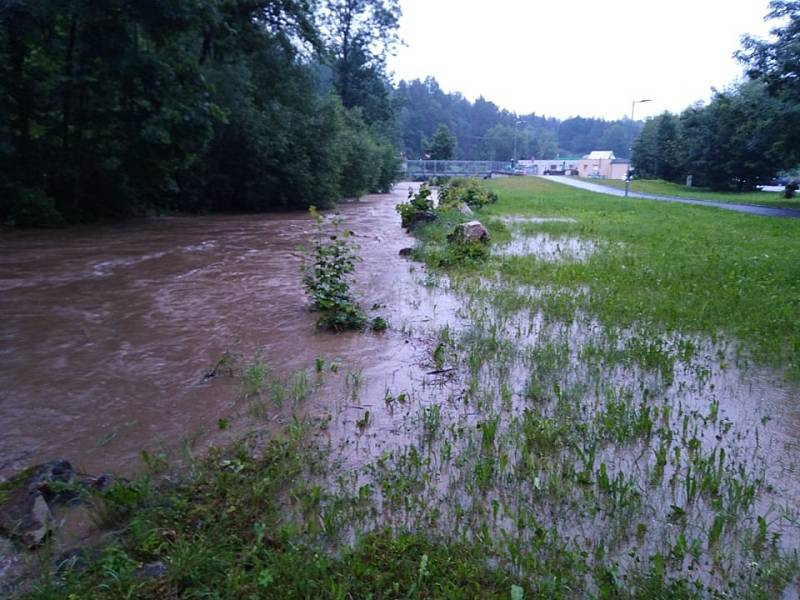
(593, 410)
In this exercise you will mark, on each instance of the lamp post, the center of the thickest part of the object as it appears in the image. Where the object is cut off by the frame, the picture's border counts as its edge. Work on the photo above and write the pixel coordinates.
(633, 109)
(514, 161)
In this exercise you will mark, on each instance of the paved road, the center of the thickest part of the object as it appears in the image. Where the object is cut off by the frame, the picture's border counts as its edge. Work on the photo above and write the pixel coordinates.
(753, 209)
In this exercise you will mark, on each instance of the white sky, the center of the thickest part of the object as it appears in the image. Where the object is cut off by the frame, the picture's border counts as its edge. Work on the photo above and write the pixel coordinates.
(581, 57)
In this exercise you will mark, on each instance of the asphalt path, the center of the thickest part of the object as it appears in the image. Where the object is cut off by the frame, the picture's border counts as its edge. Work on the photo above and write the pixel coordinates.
(753, 209)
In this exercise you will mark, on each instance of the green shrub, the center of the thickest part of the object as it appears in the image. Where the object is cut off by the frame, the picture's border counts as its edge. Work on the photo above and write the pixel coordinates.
(469, 191)
(417, 204)
(326, 279)
(32, 208)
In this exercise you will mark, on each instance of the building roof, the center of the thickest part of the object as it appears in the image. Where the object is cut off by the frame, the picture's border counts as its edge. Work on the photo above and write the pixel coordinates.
(601, 155)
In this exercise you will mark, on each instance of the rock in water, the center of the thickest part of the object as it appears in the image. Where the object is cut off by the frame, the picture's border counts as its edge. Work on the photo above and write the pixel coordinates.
(470, 232)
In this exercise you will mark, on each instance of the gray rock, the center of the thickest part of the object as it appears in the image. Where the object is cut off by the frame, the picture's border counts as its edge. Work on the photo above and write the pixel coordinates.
(464, 209)
(468, 233)
(24, 501)
(25, 516)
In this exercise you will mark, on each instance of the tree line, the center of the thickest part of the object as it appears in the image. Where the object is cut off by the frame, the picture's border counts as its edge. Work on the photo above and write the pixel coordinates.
(123, 107)
(484, 131)
(745, 134)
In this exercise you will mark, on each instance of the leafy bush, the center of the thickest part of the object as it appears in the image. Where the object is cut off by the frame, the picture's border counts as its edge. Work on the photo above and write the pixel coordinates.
(790, 190)
(417, 205)
(468, 191)
(31, 208)
(326, 279)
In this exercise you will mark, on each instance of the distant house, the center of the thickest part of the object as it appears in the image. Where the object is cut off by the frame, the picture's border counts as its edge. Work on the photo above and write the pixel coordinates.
(601, 164)
(597, 164)
(567, 165)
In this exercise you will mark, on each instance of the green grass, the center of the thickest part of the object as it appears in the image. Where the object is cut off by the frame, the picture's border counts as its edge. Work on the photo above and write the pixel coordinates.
(678, 267)
(666, 188)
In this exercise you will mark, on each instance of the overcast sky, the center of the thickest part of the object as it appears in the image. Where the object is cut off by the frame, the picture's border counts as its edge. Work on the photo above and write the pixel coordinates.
(587, 58)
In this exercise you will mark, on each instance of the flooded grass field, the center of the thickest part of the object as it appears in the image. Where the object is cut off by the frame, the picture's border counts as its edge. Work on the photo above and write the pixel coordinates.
(607, 406)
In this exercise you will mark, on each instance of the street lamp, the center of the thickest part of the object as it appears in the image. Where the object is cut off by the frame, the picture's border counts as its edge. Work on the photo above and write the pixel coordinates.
(514, 162)
(633, 108)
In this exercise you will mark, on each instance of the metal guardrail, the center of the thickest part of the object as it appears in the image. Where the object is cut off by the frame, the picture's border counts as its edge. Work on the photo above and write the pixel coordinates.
(452, 168)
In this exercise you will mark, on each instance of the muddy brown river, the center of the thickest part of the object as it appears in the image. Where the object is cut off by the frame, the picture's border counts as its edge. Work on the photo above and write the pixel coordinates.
(108, 331)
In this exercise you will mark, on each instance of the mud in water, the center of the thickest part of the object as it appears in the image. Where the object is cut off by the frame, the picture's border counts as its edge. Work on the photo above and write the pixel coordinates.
(109, 331)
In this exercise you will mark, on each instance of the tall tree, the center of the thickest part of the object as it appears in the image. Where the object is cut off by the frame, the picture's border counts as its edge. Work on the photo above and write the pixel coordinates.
(777, 63)
(360, 34)
(442, 146)
(657, 150)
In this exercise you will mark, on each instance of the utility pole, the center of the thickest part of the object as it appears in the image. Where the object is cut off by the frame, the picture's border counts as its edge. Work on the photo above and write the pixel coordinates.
(628, 174)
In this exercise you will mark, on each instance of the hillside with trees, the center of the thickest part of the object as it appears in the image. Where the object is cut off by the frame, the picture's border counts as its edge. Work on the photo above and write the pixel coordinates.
(485, 131)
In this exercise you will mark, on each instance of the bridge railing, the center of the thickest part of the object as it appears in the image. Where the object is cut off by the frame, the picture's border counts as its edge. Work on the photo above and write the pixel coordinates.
(463, 168)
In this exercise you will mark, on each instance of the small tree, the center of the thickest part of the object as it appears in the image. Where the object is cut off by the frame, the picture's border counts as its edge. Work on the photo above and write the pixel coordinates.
(326, 278)
(442, 146)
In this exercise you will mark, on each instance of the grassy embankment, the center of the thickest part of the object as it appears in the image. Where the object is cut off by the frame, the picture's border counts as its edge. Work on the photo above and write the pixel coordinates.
(667, 188)
(588, 444)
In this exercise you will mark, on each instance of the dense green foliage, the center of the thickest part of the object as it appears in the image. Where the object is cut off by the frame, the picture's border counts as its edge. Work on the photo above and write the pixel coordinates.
(746, 134)
(484, 131)
(736, 141)
(120, 108)
(777, 63)
(467, 191)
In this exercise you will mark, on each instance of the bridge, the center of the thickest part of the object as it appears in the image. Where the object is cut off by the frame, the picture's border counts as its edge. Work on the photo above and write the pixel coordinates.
(424, 169)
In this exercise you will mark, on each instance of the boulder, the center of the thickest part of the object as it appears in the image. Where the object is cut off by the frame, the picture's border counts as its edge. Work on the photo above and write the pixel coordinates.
(468, 233)
(24, 501)
(26, 517)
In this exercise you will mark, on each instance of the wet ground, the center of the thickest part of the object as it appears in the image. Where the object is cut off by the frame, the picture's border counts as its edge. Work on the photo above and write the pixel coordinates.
(484, 411)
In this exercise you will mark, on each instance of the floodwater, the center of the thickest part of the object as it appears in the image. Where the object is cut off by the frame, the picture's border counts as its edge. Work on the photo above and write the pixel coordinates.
(108, 332)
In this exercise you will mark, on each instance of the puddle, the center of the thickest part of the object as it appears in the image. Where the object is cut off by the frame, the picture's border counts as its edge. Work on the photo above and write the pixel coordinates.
(516, 219)
(546, 247)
